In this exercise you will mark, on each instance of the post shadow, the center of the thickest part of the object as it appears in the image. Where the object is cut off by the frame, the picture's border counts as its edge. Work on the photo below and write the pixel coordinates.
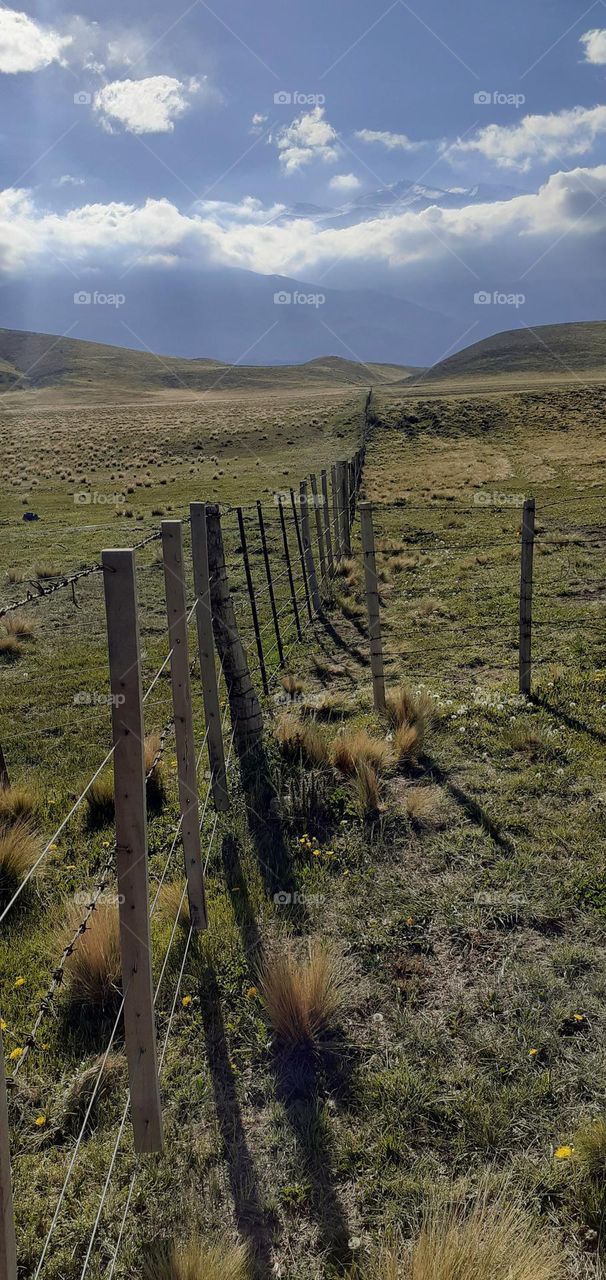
(473, 810)
(570, 721)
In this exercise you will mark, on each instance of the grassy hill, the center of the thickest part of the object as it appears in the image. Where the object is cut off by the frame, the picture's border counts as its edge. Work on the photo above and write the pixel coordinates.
(33, 361)
(560, 349)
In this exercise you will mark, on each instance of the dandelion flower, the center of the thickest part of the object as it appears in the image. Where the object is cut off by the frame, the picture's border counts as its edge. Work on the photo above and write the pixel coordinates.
(251, 993)
(20, 982)
(564, 1153)
(186, 1001)
(16, 1053)
(40, 1121)
(579, 1017)
(3, 1024)
(532, 1053)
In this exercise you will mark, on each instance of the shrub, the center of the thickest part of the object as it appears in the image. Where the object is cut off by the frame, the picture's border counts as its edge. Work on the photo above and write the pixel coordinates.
(305, 997)
(358, 747)
(199, 1260)
(20, 846)
(93, 978)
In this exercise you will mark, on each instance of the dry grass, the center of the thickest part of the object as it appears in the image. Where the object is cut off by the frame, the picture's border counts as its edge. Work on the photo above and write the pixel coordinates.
(407, 745)
(590, 1149)
(199, 1260)
(424, 806)
(20, 846)
(173, 905)
(411, 715)
(291, 685)
(10, 649)
(301, 740)
(304, 997)
(99, 1079)
(100, 802)
(366, 787)
(93, 978)
(18, 801)
(100, 796)
(18, 624)
(156, 781)
(44, 569)
(498, 1242)
(356, 747)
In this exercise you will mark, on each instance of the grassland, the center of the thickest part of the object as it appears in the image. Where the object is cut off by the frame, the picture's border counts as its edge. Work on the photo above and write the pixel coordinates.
(471, 902)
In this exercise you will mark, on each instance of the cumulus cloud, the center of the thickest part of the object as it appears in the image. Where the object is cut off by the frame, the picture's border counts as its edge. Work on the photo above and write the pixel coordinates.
(537, 139)
(345, 182)
(595, 46)
(68, 180)
(145, 106)
(308, 138)
(25, 45)
(392, 141)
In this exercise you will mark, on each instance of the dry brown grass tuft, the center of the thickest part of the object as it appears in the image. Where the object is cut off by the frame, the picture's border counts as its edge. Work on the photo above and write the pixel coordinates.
(406, 743)
(305, 997)
(18, 801)
(357, 746)
(20, 846)
(44, 569)
(291, 685)
(411, 716)
(366, 787)
(10, 649)
(156, 782)
(19, 625)
(100, 802)
(199, 1260)
(301, 740)
(98, 1080)
(173, 904)
(100, 796)
(424, 805)
(93, 979)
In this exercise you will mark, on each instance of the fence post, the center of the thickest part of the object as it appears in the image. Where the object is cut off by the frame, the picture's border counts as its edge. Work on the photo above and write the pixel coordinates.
(206, 651)
(346, 508)
(372, 604)
(176, 612)
(291, 581)
(245, 711)
(336, 518)
(293, 503)
(131, 846)
(319, 532)
(251, 596)
(527, 556)
(327, 533)
(270, 585)
(4, 778)
(8, 1247)
(309, 555)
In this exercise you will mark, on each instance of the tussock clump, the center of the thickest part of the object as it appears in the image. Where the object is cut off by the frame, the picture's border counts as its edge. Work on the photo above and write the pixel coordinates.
(100, 796)
(411, 715)
(44, 569)
(589, 1147)
(423, 805)
(406, 743)
(357, 747)
(99, 1079)
(19, 625)
(291, 685)
(100, 802)
(156, 781)
(298, 740)
(199, 1260)
(18, 801)
(304, 997)
(366, 787)
(93, 978)
(173, 904)
(10, 649)
(20, 846)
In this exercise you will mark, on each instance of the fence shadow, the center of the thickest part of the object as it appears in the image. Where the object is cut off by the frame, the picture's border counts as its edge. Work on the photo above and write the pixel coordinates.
(570, 721)
(471, 807)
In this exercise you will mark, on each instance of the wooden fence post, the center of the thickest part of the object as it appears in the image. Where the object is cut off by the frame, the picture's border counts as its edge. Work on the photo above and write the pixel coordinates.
(245, 711)
(346, 508)
(206, 651)
(270, 585)
(319, 531)
(176, 611)
(4, 778)
(327, 533)
(372, 604)
(309, 555)
(131, 846)
(8, 1247)
(527, 556)
(295, 514)
(336, 517)
(251, 596)
(291, 581)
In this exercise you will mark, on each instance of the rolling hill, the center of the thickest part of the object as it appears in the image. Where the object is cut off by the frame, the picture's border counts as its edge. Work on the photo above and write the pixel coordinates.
(35, 361)
(545, 350)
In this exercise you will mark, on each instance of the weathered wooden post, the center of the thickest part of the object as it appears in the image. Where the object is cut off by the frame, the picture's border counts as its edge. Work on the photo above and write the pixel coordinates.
(4, 778)
(206, 651)
(319, 532)
(346, 508)
(327, 532)
(309, 556)
(245, 710)
(527, 557)
(176, 611)
(372, 604)
(252, 598)
(270, 585)
(291, 581)
(295, 516)
(336, 517)
(131, 846)
(8, 1247)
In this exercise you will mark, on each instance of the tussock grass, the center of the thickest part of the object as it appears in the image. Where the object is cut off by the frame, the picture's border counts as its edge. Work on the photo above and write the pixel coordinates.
(100, 796)
(356, 747)
(411, 715)
(20, 845)
(292, 685)
(301, 740)
(99, 1079)
(156, 782)
(100, 802)
(17, 801)
(305, 996)
(169, 906)
(424, 805)
(199, 1260)
(93, 979)
(18, 624)
(10, 649)
(366, 787)
(43, 569)
(589, 1173)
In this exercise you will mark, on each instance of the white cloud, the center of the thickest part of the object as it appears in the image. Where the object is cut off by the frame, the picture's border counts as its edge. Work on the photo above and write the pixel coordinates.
(595, 46)
(68, 180)
(537, 139)
(145, 106)
(27, 46)
(308, 138)
(345, 182)
(392, 141)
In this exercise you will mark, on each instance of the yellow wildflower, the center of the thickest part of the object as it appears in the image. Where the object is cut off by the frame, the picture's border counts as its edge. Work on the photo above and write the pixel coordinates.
(532, 1053)
(3, 1024)
(564, 1153)
(20, 982)
(40, 1121)
(186, 1001)
(579, 1017)
(45, 1046)
(16, 1053)
(251, 993)
(53, 848)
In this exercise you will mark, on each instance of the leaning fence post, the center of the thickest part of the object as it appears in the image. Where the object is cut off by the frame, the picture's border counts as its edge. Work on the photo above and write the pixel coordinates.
(245, 711)
(336, 518)
(270, 585)
(252, 598)
(295, 515)
(176, 610)
(372, 604)
(131, 846)
(527, 556)
(327, 533)
(4, 778)
(8, 1247)
(309, 555)
(206, 652)
(319, 532)
(291, 581)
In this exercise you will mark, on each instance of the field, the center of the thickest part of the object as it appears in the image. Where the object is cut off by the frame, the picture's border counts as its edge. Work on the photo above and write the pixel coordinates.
(461, 880)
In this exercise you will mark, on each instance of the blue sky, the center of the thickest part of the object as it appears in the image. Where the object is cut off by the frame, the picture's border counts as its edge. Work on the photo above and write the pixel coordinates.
(162, 136)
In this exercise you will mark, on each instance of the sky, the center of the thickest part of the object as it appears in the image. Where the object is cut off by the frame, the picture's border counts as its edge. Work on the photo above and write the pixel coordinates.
(140, 143)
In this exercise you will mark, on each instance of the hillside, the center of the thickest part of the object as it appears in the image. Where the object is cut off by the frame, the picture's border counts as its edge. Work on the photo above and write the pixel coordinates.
(32, 361)
(545, 350)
